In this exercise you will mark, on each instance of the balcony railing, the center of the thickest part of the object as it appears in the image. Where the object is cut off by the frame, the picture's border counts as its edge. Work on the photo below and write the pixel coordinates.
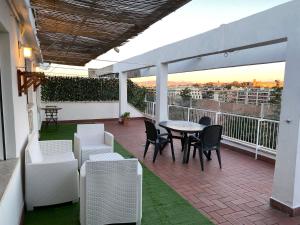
(258, 133)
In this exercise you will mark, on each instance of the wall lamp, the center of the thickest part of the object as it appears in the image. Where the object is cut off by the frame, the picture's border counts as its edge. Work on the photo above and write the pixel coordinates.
(27, 52)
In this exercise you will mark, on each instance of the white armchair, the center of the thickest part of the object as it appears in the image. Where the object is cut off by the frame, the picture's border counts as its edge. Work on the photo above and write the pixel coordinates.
(110, 190)
(91, 139)
(51, 174)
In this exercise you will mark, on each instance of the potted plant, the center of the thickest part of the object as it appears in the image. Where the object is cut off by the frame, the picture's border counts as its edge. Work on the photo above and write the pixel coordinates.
(124, 118)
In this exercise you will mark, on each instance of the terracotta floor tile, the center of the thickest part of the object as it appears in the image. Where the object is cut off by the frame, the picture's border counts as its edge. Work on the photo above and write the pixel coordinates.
(236, 194)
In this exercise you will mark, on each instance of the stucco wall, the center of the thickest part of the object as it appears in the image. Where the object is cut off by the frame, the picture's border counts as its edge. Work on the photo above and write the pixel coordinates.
(15, 115)
(89, 110)
(14, 107)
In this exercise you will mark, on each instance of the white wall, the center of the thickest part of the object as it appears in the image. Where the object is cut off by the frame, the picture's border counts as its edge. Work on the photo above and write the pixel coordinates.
(11, 204)
(89, 110)
(15, 111)
(16, 123)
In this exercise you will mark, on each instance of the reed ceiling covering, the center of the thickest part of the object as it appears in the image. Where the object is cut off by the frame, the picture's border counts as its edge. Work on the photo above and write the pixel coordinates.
(73, 32)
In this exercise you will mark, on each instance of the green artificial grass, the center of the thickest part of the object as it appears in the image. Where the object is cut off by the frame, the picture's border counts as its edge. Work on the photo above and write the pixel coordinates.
(161, 204)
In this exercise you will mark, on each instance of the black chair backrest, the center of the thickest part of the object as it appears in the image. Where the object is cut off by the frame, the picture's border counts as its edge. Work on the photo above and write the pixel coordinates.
(211, 136)
(205, 120)
(151, 131)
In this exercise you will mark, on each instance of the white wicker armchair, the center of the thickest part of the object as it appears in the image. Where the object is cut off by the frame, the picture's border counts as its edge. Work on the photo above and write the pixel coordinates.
(51, 174)
(91, 139)
(110, 190)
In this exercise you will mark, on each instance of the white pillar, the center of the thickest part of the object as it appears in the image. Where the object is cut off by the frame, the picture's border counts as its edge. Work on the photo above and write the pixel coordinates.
(286, 184)
(162, 93)
(122, 93)
(247, 97)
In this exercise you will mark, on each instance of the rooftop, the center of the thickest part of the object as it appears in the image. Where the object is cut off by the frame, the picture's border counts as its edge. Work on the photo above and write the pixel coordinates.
(237, 194)
(73, 32)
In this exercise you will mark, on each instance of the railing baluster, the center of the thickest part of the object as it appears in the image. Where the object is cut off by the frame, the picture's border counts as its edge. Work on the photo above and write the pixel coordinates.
(257, 138)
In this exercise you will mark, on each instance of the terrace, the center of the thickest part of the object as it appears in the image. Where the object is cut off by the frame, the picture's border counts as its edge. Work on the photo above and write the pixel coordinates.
(237, 194)
(244, 191)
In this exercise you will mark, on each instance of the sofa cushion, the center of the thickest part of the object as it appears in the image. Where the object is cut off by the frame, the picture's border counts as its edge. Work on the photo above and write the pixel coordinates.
(61, 157)
(91, 133)
(100, 147)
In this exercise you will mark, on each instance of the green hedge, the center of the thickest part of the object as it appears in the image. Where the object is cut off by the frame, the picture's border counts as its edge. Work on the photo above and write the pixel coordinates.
(60, 89)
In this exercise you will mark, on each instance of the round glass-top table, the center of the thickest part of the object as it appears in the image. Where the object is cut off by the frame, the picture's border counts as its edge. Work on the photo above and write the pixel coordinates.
(184, 127)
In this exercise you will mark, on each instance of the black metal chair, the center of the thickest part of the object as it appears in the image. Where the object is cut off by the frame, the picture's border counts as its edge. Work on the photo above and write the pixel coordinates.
(158, 140)
(205, 120)
(210, 139)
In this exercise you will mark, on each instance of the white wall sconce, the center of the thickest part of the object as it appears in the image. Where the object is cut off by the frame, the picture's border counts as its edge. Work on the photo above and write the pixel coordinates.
(27, 52)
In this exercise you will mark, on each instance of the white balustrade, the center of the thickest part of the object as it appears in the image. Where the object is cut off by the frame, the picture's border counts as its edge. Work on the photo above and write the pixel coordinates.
(258, 133)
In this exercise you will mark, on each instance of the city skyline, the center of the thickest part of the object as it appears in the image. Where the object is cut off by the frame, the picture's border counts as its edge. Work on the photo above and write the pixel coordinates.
(265, 72)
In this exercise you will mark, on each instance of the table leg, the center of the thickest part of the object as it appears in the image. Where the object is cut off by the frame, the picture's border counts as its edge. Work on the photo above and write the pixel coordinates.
(185, 148)
(171, 143)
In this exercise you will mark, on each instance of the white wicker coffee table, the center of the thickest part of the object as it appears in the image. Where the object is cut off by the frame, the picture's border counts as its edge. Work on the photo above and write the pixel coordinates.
(106, 157)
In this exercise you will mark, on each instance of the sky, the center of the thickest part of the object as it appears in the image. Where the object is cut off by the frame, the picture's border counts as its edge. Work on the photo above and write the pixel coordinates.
(266, 72)
(194, 18)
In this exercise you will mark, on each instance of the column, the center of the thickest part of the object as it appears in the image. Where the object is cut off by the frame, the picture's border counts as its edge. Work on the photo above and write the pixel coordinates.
(286, 183)
(247, 97)
(122, 93)
(162, 93)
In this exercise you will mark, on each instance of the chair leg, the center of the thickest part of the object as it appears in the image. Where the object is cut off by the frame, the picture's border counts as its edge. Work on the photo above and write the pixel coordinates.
(188, 155)
(156, 150)
(172, 149)
(194, 153)
(162, 147)
(207, 154)
(201, 158)
(146, 148)
(189, 149)
(219, 157)
(189, 144)
(182, 144)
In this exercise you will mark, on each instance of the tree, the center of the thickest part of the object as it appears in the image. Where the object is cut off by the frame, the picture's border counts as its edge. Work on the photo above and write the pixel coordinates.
(186, 93)
(276, 95)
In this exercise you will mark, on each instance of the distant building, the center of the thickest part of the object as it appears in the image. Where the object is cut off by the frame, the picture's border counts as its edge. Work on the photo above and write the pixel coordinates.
(237, 95)
(196, 92)
(246, 96)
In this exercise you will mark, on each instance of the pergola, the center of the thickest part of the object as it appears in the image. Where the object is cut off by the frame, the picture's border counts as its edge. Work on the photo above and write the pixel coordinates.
(266, 37)
(73, 32)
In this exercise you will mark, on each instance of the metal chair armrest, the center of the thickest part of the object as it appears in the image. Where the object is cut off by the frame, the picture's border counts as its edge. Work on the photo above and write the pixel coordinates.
(164, 134)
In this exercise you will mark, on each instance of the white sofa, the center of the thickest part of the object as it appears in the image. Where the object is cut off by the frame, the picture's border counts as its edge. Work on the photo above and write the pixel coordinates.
(110, 190)
(51, 173)
(91, 139)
